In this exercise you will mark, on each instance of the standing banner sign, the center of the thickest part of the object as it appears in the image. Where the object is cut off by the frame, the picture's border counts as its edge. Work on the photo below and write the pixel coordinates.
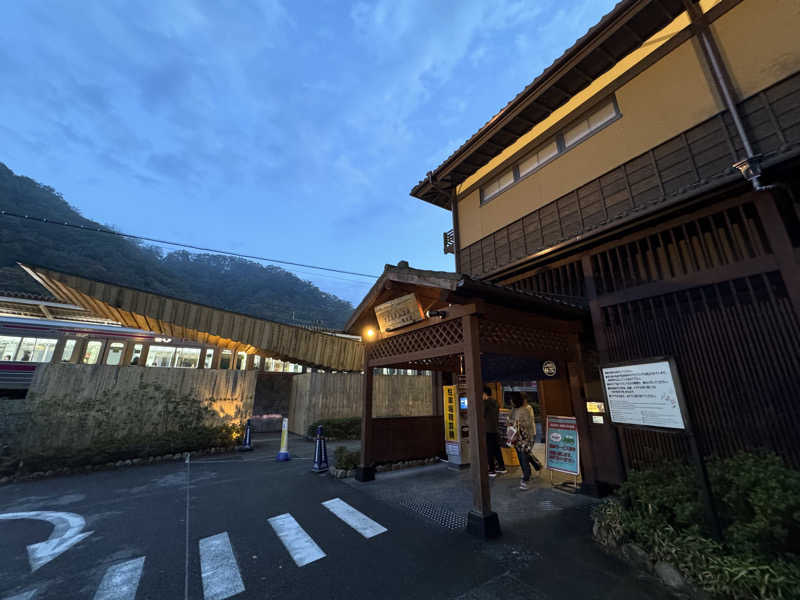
(563, 447)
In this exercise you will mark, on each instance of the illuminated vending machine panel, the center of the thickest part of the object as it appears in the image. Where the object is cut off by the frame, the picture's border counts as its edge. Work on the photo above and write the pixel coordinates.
(456, 430)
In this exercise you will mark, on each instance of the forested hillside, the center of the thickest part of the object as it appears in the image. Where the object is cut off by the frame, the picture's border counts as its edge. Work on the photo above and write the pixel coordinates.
(230, 283)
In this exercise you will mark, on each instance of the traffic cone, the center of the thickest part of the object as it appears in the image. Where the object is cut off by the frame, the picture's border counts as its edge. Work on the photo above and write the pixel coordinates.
(284, 451)
(320, 453)
(247, 444)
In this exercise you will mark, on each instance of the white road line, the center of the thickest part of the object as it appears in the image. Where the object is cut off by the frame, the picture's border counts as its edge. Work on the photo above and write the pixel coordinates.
(356, 519)
(221, 577)
(121, 581)
(303, 549)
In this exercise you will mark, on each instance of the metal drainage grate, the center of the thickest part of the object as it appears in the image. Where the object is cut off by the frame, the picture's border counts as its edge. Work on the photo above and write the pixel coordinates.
(435, 512)
(548, 505)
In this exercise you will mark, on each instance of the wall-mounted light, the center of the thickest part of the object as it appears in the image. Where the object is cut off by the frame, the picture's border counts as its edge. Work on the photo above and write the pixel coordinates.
(436, 313)
(370, 333)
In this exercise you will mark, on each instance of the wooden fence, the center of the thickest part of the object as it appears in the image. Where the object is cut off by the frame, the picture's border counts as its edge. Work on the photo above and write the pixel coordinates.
(338, 395)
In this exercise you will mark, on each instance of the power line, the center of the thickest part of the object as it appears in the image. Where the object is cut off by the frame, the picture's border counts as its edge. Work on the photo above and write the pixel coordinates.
(143, 238)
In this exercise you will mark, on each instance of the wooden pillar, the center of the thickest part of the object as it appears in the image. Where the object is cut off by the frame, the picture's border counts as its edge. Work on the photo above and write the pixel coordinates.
(366, 470)
(781, 245)
(576, 388)
(481, 521)
(143, 356)
(437, 401)
(215, 360)
(249, 362)
(201, 360)
(59, 349)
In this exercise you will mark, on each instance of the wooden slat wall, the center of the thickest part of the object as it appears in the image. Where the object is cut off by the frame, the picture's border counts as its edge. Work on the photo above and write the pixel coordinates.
(687, 161)
(177, 318)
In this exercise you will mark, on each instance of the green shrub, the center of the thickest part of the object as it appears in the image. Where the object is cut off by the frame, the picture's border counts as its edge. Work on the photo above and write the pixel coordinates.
(337, 429)
(346, 459)
(758, 500)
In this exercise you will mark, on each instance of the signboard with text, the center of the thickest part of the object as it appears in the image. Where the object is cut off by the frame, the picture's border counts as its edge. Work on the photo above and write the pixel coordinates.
(563, 447)
(450, 413)
(643, 393)
(398, 313)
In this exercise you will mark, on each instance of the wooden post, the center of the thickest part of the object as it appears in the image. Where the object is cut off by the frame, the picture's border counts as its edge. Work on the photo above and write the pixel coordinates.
(588, 466)
(248, 362)
(127, 355)
(216, 358)
(437, 400)
(201, 360)
(366, 470)
(481, 521)
(59, 350)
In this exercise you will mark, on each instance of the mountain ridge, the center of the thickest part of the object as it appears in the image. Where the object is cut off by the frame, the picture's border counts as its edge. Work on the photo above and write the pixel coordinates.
(221, 281)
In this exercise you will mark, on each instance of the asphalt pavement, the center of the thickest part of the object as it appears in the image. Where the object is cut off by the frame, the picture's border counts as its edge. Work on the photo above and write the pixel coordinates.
(247, 526)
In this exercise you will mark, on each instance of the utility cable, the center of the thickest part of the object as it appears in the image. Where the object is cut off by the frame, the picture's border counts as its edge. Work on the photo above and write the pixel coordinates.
(143, 238)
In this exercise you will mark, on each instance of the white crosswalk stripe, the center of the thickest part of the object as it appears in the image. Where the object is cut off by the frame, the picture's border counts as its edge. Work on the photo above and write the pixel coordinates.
(221, 577)
(121, 581)
(297, 542)
(356, 519)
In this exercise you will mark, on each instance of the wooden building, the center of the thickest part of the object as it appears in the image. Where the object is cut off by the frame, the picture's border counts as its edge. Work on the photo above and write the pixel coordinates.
(652, 172)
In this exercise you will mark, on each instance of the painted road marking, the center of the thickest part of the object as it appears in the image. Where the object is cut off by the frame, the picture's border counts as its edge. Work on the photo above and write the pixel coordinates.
(66, 533)
(221, 577)
(303, 549)
(356, 519)
(121, 581)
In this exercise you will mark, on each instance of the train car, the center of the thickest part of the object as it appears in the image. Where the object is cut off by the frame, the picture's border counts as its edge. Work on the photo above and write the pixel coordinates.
(28, 342)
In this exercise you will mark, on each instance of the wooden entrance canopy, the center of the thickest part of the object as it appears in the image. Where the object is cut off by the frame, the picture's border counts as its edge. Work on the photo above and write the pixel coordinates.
(469, 321)
(189, 320)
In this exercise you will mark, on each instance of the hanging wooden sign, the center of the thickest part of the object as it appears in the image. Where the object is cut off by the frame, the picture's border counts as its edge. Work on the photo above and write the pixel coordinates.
(398, 313)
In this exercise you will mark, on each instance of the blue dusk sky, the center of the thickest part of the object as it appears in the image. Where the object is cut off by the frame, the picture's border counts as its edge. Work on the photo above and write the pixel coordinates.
(292, 130)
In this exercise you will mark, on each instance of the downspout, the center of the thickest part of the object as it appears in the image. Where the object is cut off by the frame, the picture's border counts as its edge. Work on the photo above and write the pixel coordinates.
(750, 167)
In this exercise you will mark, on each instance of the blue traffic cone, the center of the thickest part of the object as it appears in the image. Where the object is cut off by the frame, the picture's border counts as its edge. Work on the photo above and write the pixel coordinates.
(247, 444)
(320, 453)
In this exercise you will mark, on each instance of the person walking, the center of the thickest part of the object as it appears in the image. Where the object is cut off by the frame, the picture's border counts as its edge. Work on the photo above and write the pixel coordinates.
(491, 411)
(525, 437)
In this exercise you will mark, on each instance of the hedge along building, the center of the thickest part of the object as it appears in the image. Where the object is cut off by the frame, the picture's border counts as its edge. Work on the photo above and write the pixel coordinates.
(652, 172)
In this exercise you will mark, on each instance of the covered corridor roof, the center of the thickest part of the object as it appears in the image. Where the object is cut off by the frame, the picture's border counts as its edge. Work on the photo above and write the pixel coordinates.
(214, 326)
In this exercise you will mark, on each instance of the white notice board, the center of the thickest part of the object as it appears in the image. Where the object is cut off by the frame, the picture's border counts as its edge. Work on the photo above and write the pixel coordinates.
(643, 394)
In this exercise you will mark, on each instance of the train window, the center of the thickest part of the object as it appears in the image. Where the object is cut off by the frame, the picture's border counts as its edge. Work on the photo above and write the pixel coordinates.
(225, 359)
(8, 347)
(209, 360)
(136, 357)
(160, 356)
(43, 351)
(92, 354)
(187, 358)
(256, 361)
(115, 351)
(69, 350)
(241, 361)
(25, 351)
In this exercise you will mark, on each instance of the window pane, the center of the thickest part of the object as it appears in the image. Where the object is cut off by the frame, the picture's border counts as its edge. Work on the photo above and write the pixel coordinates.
(209, 358)
(576, 132)
(115, 353)
(92, 354)
(603, 115)
(160, 356)
(241, 361)
(225, 359)
(69, 349)
(548, 151)
(43, 351)
(136, 356)
(529, 164)
(257, 361)
(506, 179)
(8, 346)
(25, 352)
(187, 358)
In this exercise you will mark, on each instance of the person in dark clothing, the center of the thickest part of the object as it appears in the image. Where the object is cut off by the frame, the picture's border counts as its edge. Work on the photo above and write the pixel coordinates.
(490, 415)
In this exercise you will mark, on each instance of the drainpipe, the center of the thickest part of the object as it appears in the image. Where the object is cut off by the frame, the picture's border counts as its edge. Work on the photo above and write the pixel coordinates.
(750, 167)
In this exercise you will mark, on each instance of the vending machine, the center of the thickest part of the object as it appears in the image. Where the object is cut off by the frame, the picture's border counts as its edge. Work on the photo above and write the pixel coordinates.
(456, 427)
